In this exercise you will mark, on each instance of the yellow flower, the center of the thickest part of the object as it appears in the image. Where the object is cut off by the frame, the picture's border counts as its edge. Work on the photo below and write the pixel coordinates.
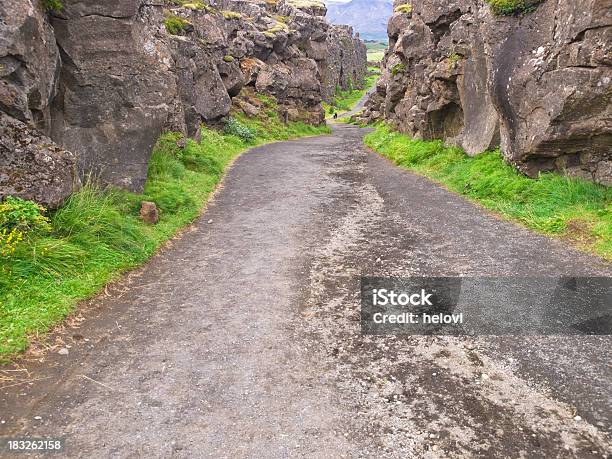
(9, 240)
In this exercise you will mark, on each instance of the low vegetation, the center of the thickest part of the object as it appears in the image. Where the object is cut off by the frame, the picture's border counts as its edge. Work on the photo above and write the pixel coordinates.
(406, 8)
(570, 208)
(512, 7)
(306, 4)
(453, 60)
(175, 25)
(53, 5)
(51, 260)
(229, 15)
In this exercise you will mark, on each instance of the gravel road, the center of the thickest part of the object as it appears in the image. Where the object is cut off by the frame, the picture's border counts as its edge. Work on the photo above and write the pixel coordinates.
(241, 338)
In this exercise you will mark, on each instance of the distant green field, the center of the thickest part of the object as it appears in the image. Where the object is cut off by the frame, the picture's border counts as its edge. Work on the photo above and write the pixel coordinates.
(376, 50)
(375, 56)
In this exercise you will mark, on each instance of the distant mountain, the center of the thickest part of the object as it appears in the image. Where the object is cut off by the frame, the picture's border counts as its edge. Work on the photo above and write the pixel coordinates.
(368, 17)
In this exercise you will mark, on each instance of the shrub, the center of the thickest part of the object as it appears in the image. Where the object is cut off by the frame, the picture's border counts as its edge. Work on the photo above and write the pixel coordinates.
(234, 127)
(453, 59)
(53, 5)
(175, 25)
(19, 214)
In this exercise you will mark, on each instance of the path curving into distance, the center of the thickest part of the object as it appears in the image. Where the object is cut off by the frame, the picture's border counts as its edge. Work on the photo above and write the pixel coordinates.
(360, 103)
(241, 338)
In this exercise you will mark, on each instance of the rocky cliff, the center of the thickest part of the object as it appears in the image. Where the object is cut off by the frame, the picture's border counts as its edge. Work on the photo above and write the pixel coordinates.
(538, 82)
(103, 79)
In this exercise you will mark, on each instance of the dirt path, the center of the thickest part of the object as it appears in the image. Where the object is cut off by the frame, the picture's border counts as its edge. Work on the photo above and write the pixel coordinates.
(241, 339)
(360, 104)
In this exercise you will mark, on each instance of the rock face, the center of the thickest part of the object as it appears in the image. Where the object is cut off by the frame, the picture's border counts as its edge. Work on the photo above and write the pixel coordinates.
(32, 166)
(538, 84)
(29, 63)
(115, 90)
(341, 61)
(104, 79)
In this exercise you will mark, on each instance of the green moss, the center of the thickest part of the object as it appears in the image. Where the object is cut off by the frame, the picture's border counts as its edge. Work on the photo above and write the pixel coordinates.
(453, 60)
(229, 15)
(228, 58)
(306, 3)
(192, 5)
(278, 27)
(405, 8)
(397, 69)
(97, 234)
(569, 208)
(53, 5)
(512, 7)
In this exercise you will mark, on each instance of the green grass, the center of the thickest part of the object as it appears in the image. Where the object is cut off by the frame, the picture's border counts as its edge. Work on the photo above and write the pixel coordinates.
(376, 51)
(97, 234)
(344, 101)
(53, 5)
(570, 208)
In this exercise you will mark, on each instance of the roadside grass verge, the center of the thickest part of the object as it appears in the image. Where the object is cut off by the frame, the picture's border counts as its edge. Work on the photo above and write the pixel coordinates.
(569, 208)
(344, 101)
(97, 234)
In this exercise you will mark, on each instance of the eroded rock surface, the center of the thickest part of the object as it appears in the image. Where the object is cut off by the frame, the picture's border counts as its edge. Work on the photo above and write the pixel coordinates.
(104, 79)
(32, 166)
(538, 84)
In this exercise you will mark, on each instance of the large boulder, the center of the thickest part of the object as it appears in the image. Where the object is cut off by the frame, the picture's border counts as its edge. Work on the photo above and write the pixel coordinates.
(552, 86)
(115, 90)
(32, 166)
